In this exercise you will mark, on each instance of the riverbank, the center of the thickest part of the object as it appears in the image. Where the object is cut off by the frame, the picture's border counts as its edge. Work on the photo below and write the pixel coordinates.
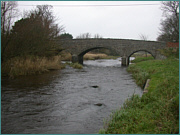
(156, 112)
(30, 65)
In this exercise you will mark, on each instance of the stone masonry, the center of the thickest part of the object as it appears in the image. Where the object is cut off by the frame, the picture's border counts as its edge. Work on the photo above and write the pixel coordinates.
(124, 47)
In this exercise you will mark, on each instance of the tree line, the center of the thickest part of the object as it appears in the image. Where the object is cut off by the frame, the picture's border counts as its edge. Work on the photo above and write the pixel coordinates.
(33, 34)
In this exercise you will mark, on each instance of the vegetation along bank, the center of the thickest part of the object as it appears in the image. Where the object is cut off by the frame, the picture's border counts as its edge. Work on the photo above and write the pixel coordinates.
(156, 112)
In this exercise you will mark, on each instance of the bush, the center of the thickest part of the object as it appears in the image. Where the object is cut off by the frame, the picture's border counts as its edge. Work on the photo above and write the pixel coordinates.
(170, 52)
(77, 66)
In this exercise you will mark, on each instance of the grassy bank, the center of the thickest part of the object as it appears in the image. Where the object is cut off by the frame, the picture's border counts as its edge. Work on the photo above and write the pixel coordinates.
(156, 112)
(139, 59)
(29, 65)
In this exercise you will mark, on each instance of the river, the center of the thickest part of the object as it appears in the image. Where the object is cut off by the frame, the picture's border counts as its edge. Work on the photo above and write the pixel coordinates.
(68, 101)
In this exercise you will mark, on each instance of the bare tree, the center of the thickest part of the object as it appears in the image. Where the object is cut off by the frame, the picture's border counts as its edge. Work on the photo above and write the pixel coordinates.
(97, 36)
(8, 12)
(45, 15)
(169, 30)
(87, 35)
(143, 37)
(84, 36)
(170, 7)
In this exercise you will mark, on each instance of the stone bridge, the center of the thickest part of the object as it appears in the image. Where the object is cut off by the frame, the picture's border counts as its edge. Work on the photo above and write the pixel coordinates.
(124, 47)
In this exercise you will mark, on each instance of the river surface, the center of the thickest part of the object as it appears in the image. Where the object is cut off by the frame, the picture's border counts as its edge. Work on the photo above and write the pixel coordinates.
(68, 101)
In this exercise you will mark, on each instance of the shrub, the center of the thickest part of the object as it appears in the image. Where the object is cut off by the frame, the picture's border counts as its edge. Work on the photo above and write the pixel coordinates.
(77, 66)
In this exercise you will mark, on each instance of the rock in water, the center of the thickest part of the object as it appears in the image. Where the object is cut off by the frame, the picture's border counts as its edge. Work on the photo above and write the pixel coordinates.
(98, 104)
(95, 86)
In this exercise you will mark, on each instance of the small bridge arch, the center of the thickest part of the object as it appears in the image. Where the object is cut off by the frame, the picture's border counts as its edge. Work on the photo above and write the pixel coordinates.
(142, 51)
(147, 51)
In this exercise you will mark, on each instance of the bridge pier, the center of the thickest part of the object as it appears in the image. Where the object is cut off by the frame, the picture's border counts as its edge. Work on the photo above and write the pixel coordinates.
(124, 61)
(77, 59)
(80, 60)
(74, 58)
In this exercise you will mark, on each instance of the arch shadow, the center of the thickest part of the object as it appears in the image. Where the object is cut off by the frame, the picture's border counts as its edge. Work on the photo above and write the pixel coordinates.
(141, 51)
(80, 56)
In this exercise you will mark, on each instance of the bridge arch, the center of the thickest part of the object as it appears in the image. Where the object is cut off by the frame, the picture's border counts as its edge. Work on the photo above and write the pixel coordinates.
(140, 50)
(144, 50)
(84, 51)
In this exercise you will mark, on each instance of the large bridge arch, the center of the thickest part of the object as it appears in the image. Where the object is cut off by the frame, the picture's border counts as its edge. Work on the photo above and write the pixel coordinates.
(88, 49)
(84, 51)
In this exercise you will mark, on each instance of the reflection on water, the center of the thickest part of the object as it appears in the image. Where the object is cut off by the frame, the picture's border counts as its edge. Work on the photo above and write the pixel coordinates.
(67, 101)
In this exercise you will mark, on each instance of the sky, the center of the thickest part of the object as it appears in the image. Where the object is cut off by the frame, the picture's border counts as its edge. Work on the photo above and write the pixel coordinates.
(120, 19)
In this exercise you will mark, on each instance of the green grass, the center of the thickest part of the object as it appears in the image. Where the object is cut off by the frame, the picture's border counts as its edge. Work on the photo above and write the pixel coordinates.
(74, 65)
(156, 112)
(139, 59)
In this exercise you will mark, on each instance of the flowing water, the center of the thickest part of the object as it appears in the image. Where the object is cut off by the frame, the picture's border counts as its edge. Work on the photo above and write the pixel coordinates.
(68, 101)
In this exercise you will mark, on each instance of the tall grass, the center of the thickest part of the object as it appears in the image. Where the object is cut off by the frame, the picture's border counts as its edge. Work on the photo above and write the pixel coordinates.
(156, 112)
(30, 65)
(91, 56)
(65, 56)
(95, 56)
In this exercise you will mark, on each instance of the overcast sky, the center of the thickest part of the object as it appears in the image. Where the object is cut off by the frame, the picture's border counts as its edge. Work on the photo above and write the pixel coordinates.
(128, 20)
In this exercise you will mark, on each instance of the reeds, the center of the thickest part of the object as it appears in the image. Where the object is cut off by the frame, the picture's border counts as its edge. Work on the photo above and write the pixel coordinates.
(91, 56)
(66, 56)
(30, 65)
